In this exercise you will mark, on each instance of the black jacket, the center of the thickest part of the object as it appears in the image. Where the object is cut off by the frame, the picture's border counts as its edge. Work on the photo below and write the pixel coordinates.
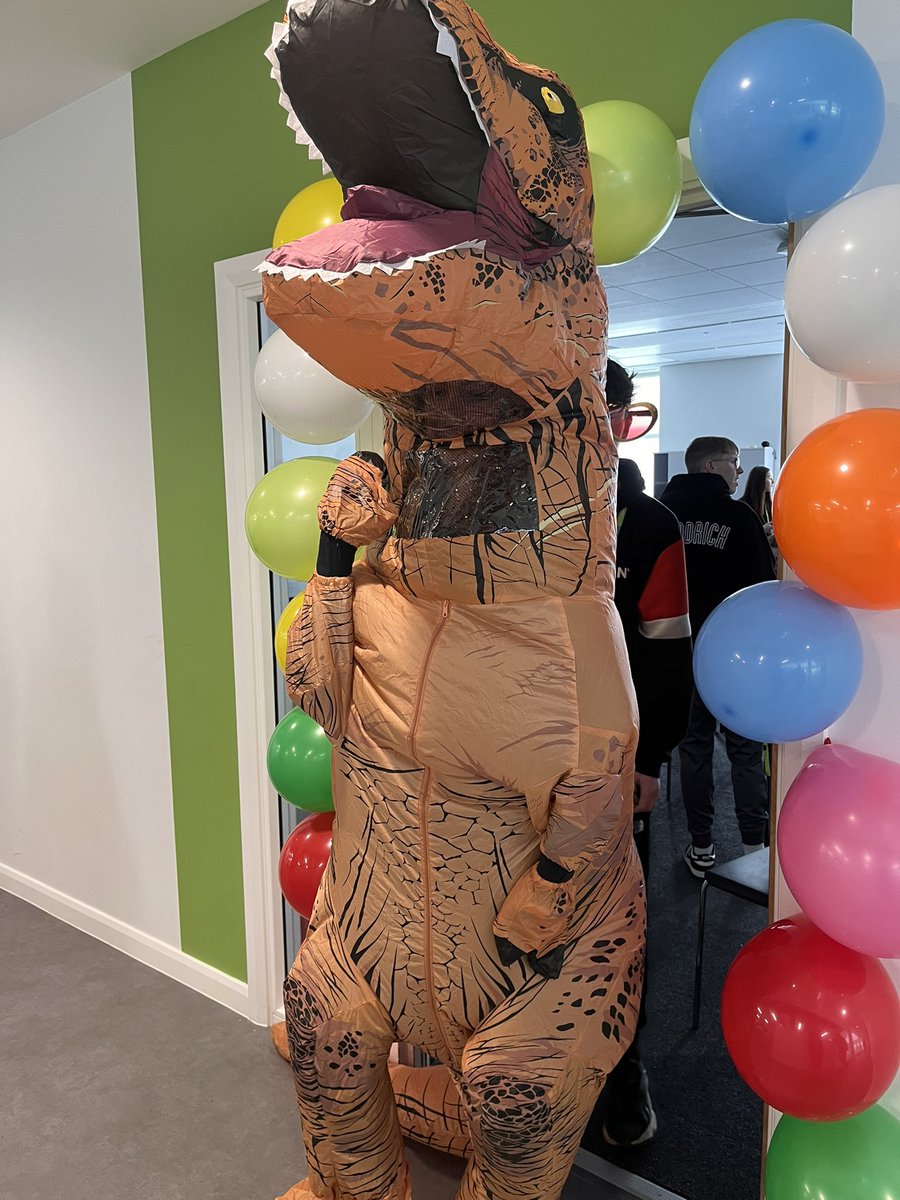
(651, 596)
(725, 545)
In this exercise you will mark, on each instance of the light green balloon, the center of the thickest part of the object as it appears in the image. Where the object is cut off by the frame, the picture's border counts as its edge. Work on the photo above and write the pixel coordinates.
(281, 521)
(636, 168)
(858, 1159)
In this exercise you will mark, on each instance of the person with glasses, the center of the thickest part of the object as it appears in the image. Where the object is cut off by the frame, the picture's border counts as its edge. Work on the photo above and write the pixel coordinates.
(725, 549)
(651, 597)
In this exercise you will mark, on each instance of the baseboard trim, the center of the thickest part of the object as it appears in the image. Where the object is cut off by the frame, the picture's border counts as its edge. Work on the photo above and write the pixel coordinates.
(625, 1181)
(168, 960)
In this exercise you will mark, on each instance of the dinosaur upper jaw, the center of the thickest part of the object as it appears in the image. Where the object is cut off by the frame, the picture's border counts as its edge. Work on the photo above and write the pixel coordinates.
(367, 91)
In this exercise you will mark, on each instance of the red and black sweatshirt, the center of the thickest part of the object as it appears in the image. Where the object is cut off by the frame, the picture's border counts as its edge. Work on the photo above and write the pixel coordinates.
(652, 599)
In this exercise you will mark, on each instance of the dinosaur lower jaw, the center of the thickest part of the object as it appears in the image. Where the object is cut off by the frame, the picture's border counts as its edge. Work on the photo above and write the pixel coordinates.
(381, 229)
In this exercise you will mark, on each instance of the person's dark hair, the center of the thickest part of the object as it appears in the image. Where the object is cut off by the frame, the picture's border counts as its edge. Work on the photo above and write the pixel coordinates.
(703, 448)
(756, 496)
(619, 385)
(630, 478)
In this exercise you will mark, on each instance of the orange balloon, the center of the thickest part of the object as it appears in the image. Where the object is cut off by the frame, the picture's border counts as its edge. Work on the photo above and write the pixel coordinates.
(837, 509)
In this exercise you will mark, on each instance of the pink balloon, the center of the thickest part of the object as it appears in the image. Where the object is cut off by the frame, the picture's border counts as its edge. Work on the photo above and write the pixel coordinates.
(839, 847)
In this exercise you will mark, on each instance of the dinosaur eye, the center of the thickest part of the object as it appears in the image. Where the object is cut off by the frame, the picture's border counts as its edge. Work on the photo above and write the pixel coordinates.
(553, 102)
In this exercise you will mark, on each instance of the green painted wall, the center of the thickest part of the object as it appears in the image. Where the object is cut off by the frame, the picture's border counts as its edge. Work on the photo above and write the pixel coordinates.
(215, 165)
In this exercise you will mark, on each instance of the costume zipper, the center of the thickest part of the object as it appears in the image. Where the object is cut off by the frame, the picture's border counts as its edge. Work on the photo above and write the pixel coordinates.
(424, 795)
(426, 663)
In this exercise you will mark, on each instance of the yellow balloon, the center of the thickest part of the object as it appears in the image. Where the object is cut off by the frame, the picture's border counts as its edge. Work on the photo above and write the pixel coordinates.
(314, 208)
(636, 168)
(285, 621)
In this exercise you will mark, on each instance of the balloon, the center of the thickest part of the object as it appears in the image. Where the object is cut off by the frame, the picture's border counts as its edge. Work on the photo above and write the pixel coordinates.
(299, 762)
(836, 509)
(303, 400)
(857, 1159)
(285, 621)
(812, 1027)
(316, 207)
(636, 168)
(778, 663)
(842, 289)
(786, 121)
(281, 521)
(839, 847)
(303, 860)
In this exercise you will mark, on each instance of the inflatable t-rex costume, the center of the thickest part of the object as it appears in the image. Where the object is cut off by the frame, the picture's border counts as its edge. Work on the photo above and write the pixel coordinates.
(483, 900)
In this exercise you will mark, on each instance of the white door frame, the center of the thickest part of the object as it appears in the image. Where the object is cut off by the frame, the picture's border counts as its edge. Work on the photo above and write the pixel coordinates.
(238, 292)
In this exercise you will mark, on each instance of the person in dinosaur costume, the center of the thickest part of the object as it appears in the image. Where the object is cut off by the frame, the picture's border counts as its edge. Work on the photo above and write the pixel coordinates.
(483, 900)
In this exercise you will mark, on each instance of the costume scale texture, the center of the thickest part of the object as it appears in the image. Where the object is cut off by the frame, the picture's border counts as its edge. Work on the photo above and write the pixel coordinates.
(483, 901)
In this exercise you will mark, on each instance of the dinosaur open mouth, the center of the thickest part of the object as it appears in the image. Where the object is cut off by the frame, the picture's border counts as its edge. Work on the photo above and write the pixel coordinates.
(368, 92)
(377, 89)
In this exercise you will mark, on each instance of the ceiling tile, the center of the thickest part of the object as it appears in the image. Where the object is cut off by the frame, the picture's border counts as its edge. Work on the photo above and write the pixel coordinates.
(734, 251)
(653, 264)
(769, 270)
(700, 283)
(691, 231)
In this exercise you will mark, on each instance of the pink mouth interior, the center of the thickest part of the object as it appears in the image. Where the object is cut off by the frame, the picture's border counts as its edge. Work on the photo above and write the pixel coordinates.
(383, 226)
(378, 226)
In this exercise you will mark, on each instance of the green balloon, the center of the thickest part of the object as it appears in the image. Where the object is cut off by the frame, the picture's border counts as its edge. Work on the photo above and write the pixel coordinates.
(299, 762)
(858, 1159)
(636, 168)
(281, 521)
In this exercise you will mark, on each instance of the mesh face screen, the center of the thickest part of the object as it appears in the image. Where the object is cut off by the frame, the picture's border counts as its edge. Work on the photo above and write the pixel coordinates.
(475, 489)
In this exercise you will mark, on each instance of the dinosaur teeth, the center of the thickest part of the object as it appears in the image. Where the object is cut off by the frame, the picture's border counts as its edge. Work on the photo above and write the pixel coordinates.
(366, 268)
(280, 31)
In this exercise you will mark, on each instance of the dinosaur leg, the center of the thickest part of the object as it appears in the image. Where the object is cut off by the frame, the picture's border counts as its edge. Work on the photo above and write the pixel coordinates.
(531, 1073)
(340, 1038)
(430, 1109)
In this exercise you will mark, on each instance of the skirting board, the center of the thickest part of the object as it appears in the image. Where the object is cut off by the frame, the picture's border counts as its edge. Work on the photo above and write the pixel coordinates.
(166, 959)
(628, 1184)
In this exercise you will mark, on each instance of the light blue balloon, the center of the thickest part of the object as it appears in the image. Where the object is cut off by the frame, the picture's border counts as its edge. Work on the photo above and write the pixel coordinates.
(787, 120)
(778, 662)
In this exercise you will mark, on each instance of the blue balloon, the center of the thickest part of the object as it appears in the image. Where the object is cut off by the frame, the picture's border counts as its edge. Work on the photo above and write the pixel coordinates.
(786, 121)
(778, 662)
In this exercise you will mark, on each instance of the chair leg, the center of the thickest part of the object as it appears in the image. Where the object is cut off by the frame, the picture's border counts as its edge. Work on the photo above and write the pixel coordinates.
(698, 965)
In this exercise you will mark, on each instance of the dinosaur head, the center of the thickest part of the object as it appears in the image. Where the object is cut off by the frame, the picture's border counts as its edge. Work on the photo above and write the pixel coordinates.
(465, 250)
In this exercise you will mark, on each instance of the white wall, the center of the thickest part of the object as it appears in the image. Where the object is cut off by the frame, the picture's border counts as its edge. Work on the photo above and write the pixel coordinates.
(871, 721)
(738, 398)
(85, 789)
(870, 724)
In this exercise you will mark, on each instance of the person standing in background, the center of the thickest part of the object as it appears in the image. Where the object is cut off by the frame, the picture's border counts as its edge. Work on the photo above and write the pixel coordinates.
(652, 601)
(726, 550)
(758, 494)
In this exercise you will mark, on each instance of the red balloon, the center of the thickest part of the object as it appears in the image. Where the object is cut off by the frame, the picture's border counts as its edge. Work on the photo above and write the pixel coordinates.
(812, 1027)
(303, 860)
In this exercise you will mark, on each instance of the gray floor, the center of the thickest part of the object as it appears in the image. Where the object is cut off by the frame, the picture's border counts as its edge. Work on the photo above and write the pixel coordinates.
(117, 1083)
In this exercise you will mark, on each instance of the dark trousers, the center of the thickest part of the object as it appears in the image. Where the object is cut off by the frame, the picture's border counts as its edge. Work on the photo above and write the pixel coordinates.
(748, 779)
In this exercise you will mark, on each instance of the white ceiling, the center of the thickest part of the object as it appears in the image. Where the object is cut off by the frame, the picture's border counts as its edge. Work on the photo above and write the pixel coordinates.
(711, 287)
(52, 54)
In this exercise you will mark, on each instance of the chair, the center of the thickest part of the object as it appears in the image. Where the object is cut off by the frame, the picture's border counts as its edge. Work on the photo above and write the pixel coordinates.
(747, 878)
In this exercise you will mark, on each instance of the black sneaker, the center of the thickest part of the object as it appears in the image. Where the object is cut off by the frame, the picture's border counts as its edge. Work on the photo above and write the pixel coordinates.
(630, 1120)
(698, 864)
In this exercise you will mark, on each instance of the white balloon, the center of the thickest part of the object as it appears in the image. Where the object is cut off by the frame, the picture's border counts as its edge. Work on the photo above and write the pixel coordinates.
(302, 400)
(842, 291)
